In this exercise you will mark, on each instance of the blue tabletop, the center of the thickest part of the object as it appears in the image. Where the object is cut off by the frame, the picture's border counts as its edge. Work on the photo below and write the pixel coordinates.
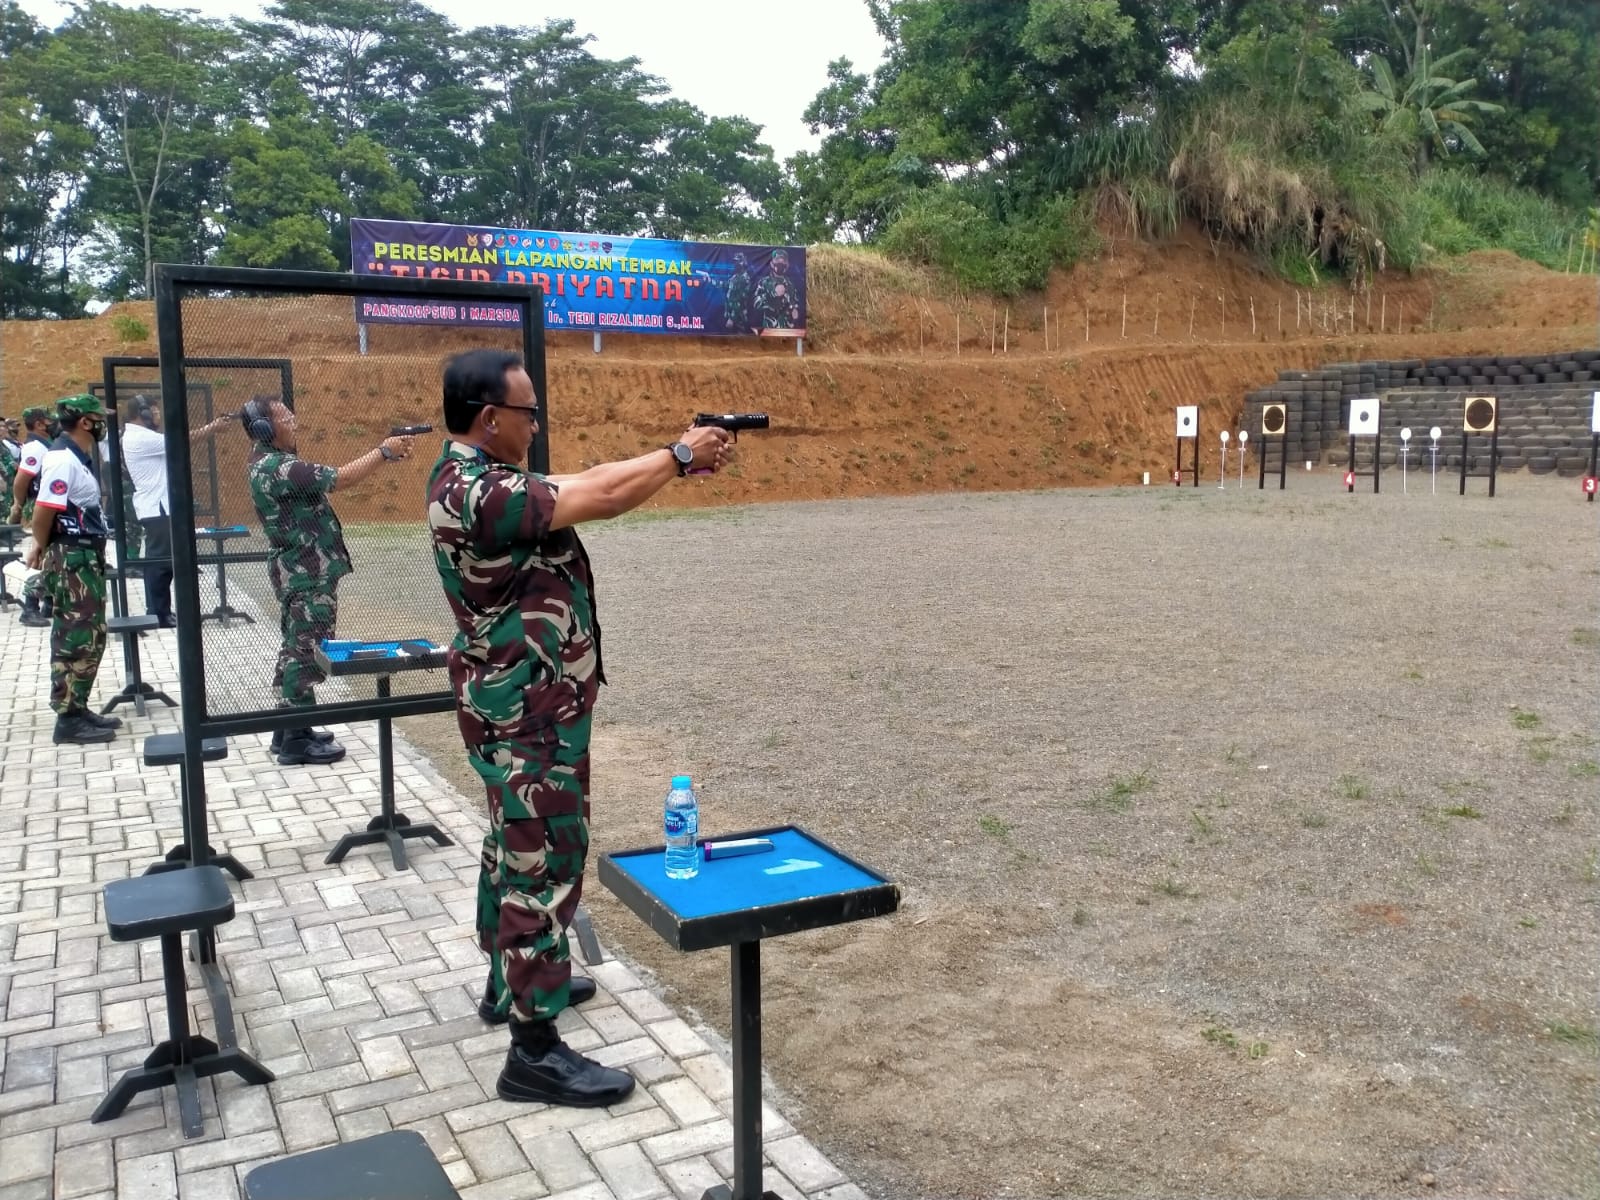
(340, 651)
(220, 530)
(797, 868)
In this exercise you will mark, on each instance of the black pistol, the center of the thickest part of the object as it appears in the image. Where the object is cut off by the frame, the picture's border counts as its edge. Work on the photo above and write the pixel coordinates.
(409, 430)
(732, 422)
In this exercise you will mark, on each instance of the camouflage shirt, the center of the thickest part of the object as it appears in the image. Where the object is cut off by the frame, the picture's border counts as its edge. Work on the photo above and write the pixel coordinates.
(526, 657)
(304, 538)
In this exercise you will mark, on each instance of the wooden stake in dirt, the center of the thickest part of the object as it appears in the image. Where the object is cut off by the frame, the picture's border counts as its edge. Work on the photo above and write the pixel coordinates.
(1352, 314)
(1369, 310)
(1280, 314)
(1191, 315)
(1156, 331)
(1400, 320)
(991, 328)
(1086, 322)
(919, 329)
(1047, 329)
(1297, 310)
(1222, 306)
(1252, 316)
(1124, 316)
(958, 335)
(1383, 313)
(1005, 343)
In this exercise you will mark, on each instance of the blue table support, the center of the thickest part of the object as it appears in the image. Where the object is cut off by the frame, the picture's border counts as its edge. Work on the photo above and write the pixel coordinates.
(735, 902)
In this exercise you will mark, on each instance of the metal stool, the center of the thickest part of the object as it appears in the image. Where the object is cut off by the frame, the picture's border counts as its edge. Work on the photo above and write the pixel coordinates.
(387, 1166)
(165, 750)
(167, 906)
(136, 689)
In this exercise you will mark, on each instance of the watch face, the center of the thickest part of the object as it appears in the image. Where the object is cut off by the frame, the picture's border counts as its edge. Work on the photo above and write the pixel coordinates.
(682, 453)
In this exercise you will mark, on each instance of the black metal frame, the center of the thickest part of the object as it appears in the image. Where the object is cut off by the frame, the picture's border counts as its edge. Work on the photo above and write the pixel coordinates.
(742, 933)
(1177, 471)
(1377, 454)
(1494, 446)
(1594, 466)
(173, 285)
(1282, 438)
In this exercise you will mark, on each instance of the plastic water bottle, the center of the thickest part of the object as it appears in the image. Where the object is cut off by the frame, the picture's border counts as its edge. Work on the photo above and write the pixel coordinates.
(683, 829)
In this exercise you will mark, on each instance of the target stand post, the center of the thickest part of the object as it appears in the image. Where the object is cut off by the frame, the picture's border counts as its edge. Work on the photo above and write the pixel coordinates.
(383, 659)
(1479, 418)
(1188, 431)
(1366, 421)
(1274, 428)
(1222, 471)
(1591, 481)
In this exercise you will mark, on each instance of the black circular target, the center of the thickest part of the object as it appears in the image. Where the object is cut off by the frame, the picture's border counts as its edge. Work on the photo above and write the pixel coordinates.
(1186, 420)
(1480, 414)
(1363, 417)
(1272, 419)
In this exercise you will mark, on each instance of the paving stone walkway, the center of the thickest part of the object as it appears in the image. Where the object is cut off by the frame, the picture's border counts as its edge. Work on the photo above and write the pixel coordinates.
(356, 984)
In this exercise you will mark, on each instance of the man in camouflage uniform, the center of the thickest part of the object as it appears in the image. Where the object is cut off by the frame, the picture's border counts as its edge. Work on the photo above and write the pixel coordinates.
(777, 302)
(69, 543)
(307, 557)
(36, 601)
(525, 666)
(736, 303)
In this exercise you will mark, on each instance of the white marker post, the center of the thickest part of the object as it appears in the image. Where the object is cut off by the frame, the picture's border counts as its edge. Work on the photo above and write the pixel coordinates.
(1244, 437)
(1405, 444)
(1434, 434)
(1222, 475)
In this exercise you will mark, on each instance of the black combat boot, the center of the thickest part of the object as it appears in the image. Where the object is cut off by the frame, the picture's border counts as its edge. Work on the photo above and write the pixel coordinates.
(100, 719)
(581, 989)
(31, 614)
(75, 729)
(317, 735)
(541, 1067)
(299, 748)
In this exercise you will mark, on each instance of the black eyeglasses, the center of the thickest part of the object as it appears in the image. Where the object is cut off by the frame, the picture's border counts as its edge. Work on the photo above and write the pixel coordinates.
(531, 413)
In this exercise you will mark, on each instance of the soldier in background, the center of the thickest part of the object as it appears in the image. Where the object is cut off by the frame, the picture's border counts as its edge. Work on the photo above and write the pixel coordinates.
(10, 455)
(307, 557)
(36, 602)
(777, 304)
(69, 546)
(736, 303)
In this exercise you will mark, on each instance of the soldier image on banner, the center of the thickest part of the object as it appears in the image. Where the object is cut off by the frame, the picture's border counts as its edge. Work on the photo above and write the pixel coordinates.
(307, 557)
(777, 303)
(41, 428)
(736, 303)
(526, 668)
(69, 543)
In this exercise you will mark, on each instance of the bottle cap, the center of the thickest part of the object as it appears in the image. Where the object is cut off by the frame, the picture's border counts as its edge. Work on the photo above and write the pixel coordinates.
(681, 783)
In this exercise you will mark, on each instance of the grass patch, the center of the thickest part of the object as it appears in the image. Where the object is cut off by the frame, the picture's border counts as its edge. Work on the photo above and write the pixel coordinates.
(1314, 819)
(993, 826)
(1588, 769)
(1586, 637)
(1464, 810)
(1541, 749)
(1524, 719)
(1220, 1035)
(1170, 886)
(1575, 1035)
(1118, 795)
(1353, 787)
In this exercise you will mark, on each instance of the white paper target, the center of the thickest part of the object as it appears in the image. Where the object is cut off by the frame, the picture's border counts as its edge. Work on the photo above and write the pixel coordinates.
(1224, 437)
(1435, 432)
(1594, 420)
(1364, 416)
(1188, 420)
(1405, 434)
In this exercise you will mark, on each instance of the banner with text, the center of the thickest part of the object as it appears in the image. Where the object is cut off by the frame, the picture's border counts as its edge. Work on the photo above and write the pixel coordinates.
(592, 282)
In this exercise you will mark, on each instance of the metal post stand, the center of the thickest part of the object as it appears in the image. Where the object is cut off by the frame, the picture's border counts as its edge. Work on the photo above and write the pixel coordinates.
(388, 826)
(745, 960)
(223, 612)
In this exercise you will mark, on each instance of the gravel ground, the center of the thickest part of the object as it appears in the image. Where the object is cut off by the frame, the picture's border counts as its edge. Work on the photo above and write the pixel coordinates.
(1247, 839)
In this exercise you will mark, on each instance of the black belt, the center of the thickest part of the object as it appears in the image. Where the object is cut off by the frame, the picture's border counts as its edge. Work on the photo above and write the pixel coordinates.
(91, 543)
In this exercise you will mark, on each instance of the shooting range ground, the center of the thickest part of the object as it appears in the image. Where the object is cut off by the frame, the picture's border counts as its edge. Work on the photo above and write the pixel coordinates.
(1247, 839)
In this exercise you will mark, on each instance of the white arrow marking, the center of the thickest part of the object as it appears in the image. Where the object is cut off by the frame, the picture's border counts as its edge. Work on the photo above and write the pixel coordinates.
(790, 865)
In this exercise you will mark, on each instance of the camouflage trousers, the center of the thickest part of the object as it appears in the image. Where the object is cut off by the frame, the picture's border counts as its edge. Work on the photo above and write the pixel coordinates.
(306, 618)
(35, 588)
(76, 578)
(530, 875)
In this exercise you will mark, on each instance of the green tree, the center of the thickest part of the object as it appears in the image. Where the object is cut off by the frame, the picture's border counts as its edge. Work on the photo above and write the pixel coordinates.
(44, 150)
(153, 87)
(1430, 109)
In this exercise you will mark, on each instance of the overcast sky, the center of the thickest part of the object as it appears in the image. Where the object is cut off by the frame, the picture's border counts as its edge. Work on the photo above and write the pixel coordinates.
(726, 57)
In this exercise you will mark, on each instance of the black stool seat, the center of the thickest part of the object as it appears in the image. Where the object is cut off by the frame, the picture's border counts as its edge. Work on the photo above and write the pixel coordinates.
(148, 906)
(138, 623)
(386, 1166)
(166, 906)
(166, 749)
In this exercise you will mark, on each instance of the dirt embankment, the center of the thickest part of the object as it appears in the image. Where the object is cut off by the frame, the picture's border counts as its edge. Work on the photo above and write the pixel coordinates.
(1070, 388)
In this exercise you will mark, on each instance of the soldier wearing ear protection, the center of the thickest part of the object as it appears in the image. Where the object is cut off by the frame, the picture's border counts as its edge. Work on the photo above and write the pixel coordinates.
(308, 557)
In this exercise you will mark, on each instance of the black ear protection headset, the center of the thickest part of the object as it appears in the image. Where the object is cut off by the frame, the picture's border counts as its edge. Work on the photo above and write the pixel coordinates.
(257, 421)
(143, 408)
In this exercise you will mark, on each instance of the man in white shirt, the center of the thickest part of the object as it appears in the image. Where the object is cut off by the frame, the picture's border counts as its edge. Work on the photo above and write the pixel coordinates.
(144, 453)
